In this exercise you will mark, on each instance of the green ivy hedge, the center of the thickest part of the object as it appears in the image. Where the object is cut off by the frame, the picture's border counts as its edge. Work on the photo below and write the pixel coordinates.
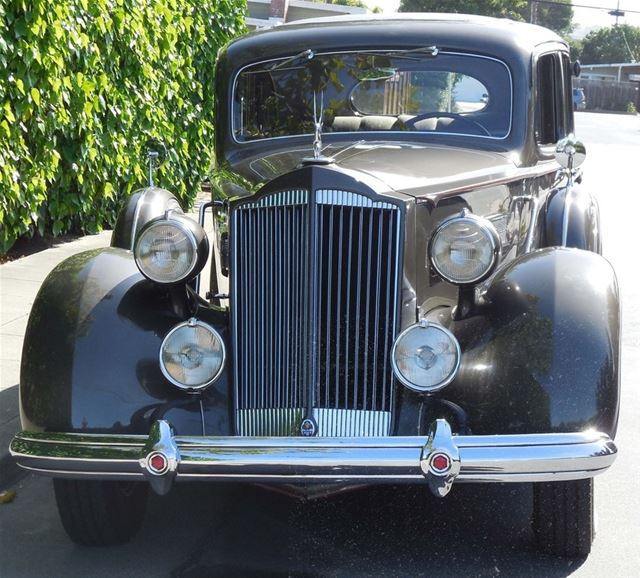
(83, 85)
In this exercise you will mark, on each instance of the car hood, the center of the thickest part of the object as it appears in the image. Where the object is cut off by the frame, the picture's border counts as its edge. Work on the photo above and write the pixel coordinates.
(417, 170)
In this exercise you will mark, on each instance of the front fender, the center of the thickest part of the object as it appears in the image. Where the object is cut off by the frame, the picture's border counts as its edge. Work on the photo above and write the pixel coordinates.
(143, 206)
(543, 353)
(90, 361)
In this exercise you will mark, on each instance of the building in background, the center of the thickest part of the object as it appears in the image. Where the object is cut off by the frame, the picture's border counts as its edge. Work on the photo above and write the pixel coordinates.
(620, 72)
(268, 13)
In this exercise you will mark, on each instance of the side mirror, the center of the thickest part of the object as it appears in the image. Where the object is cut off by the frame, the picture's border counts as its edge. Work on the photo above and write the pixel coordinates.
(570, 153)
(577, 68)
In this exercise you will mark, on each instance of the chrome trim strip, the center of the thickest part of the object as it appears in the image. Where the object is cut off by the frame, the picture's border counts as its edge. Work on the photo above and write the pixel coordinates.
(347, 199)
(136, 218)
(568, 201)
(283, 421)
(498, 458)
(331, 422)
(534, 204)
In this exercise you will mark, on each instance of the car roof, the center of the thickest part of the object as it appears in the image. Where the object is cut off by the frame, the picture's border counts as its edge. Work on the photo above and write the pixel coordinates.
(498, 36)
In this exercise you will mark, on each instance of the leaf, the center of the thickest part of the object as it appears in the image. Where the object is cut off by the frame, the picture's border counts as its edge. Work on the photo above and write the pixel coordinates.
(35, 95)
(20, 86)
(20, 27)
(84, 82)
(8, 113)
(7, 496)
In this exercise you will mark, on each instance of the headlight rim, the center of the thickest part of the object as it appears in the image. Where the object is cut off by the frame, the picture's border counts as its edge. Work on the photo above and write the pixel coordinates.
(186, 228)
(484, 224)
(190, 388)
(425, 323)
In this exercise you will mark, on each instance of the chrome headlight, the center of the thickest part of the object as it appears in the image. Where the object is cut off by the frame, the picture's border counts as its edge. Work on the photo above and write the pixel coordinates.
(425, 357)
(464, 249)
(171, 249)
(192, 355)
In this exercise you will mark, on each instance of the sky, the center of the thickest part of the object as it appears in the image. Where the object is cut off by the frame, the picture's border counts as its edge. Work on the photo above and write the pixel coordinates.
(582, 17)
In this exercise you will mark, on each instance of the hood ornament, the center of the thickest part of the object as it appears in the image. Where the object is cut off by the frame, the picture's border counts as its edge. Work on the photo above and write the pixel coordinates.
(318, 158)
(317, 123)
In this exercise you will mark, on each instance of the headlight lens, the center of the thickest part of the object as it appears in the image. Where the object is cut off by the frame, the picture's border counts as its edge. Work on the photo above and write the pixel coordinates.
(465, 249)
(425, 357)
(166, 251)
(192, 355)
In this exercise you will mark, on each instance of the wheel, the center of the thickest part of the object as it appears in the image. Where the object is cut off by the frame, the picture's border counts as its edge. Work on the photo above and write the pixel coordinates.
(100, 513)
(563, 517)
(473, 124)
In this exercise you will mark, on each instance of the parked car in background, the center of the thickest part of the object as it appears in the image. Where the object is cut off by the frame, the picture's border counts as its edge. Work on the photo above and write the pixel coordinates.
(579, 99)
(406, 287)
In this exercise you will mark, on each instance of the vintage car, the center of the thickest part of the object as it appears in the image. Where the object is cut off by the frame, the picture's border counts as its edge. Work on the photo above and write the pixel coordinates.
(406, 287)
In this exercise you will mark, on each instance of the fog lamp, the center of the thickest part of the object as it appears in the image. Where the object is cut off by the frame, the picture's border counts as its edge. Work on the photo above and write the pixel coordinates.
(192, 355)
(425, 357)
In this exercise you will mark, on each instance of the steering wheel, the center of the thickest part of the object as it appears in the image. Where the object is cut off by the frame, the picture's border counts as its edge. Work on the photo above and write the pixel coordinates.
(453, 115)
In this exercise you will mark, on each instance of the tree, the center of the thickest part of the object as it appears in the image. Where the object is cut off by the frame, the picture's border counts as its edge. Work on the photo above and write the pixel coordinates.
(501, 8)
(575, 45)
(354, 3)
(557, 17)
(614, 44)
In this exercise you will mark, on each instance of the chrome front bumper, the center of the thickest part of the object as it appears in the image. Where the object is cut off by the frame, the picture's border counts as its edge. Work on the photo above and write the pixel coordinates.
(441, 458)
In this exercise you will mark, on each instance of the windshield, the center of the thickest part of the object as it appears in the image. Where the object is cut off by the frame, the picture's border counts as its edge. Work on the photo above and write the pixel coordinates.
(433, 92)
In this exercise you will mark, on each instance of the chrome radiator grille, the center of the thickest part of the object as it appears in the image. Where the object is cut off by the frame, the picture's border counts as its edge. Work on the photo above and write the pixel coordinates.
(314, 301)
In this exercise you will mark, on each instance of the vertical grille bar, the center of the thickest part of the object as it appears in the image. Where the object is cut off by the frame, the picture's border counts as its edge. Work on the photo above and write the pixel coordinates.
(347, 293)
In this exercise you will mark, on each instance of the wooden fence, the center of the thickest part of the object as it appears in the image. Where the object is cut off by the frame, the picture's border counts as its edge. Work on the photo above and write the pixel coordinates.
(608, 94)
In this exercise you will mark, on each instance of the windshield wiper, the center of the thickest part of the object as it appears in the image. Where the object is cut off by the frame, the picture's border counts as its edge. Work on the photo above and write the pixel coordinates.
(410, 53)
(304, 55)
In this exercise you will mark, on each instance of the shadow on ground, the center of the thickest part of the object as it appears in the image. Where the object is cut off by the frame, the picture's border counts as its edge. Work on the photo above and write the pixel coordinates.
(382, 531)
(10, 473)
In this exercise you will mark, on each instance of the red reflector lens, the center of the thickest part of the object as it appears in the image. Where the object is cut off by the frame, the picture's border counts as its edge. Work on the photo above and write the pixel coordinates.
(440, 462)
(158, 463)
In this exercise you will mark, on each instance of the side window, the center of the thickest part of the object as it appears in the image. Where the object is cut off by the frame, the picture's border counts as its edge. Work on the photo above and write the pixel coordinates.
(554, 113)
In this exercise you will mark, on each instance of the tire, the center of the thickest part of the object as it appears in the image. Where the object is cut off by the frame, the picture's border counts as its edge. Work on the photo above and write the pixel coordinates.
(100, 513)
(563, 517)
